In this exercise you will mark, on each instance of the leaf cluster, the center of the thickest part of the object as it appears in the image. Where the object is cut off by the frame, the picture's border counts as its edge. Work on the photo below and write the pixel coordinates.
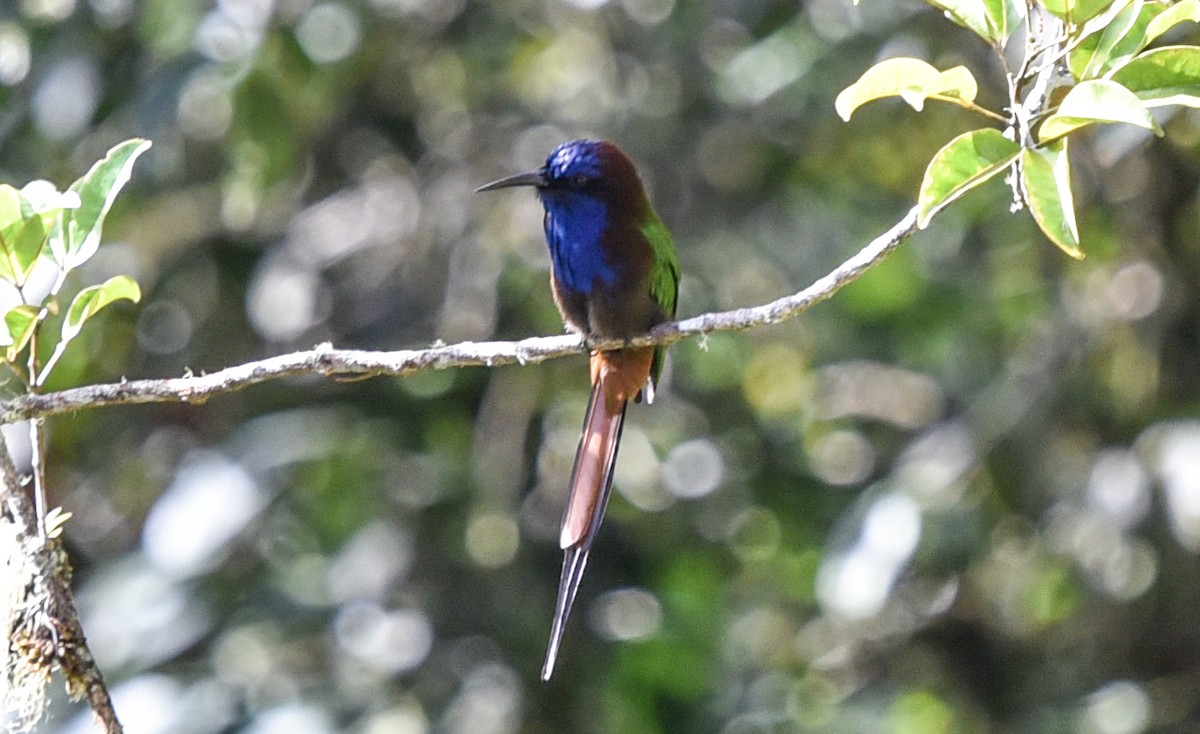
(42, 228)
(1085, 62)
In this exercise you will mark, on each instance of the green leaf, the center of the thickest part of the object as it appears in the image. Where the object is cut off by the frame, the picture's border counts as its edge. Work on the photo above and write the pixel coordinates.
(912, 79)
(1046, 180)
(1092, 57)
(992, 20)
(43, 199)
(1076, 11)
(1184, 10)
(23, 229)
(1163, 76)
(11, 223)
(96, 190)
(1127, 46)
(90, 300)
(1096, 101)
(10, 205)
(20, 244)
(964, 163)
(20, 323)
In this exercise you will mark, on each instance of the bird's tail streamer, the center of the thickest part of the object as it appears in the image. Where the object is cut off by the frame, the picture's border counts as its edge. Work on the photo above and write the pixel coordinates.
(616, 377)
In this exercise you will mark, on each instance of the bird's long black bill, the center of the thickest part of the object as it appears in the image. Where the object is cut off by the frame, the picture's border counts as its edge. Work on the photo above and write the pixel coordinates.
(574, 561)
(532, 178)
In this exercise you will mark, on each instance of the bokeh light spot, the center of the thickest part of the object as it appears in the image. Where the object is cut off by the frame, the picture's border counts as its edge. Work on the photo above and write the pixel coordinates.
(403, 719)
(755, 534)
(190, 526)
(932, 468)
(842, 458)
(292, 718)
(693, 469)
(1135, 291)
(243, 654)
(638, 472)
(758, 635)
(648, 12)
(15, 56)
(66, 98)
(392, 641)
(856, 582)
(489, 702)
(768, 66)
(626, 615)
(370, 562)
(164, 327)
(892, 526)
(1119, 707)
(328, 32)
(572, 76)
(284, 301)
(920, 712)
(1129, 570)
(48, 11)
(882, 392)
(1119, 487)
(1173, 451)
(205, 106)
(492, 539)
(233, 30)
(138, 616)
(1051, 595)
(776, 383)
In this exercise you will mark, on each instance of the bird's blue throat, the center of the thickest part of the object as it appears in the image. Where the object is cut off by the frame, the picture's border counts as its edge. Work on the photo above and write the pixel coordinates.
(575, 225)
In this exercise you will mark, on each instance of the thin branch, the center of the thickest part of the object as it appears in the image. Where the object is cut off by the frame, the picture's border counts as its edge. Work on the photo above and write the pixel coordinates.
(35, 433)
(38, 468)
(327, 361)
(966, 105)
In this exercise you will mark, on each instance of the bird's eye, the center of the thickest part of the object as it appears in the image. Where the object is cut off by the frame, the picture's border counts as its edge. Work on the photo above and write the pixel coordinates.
(579, 181)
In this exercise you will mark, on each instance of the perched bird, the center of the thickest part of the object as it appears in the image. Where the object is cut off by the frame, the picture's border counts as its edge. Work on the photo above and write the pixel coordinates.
(615, 275)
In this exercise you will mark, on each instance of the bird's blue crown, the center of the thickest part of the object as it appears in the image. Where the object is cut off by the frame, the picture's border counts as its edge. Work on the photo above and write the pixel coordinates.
(575, 158)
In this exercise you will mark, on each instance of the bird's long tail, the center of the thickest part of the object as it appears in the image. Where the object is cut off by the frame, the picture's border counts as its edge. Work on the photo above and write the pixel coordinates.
(616, 378)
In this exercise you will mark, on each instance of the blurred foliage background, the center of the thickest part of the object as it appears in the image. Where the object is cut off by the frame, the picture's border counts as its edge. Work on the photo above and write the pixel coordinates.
(962, 496)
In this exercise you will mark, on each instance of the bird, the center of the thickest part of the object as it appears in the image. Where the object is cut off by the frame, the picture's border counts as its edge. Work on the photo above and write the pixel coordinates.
(615, 275)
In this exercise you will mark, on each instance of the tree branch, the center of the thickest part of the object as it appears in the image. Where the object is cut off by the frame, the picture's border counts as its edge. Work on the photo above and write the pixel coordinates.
(327, 361)
(40, 618)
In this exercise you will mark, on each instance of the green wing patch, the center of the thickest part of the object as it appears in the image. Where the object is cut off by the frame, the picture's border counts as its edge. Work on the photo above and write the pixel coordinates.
(664, 278)
(664, 283)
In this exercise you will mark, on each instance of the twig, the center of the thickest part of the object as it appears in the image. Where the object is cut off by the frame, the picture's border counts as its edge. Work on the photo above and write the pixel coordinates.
(966, 105)
(327, 361)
